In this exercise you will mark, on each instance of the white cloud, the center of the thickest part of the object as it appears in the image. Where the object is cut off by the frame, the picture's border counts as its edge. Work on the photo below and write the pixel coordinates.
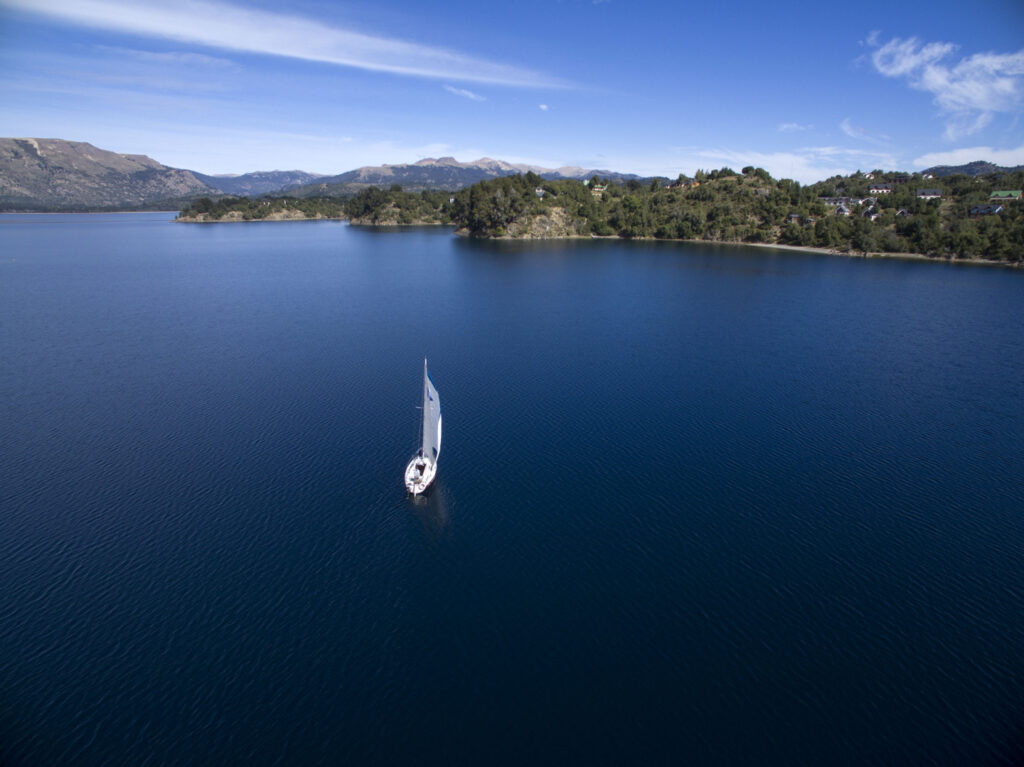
(465, 93)
(793, 127)
(860, 133)
(1008, 157)
(543, 107)
(968, 92)
(899, 58)
(851, 130)
(169, 57)
(233, 27)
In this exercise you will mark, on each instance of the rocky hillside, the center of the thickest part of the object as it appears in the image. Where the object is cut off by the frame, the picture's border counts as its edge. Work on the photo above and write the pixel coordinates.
(52, 174)
(438, 173)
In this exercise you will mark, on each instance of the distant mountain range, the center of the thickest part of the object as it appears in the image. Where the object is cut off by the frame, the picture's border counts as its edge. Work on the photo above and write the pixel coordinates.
(440, 173)
(53, 174)
(258, 182)
(978, 168)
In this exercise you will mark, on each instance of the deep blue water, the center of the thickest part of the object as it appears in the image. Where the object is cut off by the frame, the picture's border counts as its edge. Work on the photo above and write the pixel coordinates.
(696, 504)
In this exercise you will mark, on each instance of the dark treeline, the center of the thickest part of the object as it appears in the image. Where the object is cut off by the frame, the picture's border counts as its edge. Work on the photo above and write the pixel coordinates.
(725, 205)
(719, 205)
(394, 206)
(257, 208)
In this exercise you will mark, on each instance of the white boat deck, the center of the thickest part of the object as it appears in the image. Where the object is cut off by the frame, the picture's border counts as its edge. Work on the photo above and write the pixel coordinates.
(419, 474)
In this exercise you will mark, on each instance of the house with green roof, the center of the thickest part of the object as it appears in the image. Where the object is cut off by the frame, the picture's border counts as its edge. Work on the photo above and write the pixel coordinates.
(1004, 196)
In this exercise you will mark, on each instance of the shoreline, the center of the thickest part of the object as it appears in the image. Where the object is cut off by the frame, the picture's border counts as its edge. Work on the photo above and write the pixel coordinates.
(461, 232)
(240, 220)
(969, 261)
(79, 212)
(394, 224)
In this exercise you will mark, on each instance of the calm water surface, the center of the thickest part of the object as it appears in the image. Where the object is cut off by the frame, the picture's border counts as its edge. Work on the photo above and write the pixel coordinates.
(696, 504)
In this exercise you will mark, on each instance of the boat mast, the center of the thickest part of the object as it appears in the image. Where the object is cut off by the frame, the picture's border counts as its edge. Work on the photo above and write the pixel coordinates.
(423, 411)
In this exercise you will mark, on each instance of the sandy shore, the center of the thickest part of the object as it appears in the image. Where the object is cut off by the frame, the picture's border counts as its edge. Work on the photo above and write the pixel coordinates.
(973, 261)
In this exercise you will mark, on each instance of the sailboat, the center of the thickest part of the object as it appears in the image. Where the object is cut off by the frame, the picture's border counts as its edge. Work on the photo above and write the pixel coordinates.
(423, 466)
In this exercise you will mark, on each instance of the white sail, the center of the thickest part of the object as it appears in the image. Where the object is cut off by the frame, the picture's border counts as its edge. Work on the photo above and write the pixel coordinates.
(423, 466)
(431, 418)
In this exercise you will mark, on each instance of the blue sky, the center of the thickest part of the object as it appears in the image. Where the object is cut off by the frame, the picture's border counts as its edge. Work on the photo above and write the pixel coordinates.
(804, 89)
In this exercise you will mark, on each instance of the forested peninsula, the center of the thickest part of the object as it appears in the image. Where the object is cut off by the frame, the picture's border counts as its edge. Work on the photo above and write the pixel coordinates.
(955, 217)
(958, 217)
(207, 210)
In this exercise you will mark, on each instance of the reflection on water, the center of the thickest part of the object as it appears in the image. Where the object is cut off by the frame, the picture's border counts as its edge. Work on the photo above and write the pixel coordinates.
(431, 509)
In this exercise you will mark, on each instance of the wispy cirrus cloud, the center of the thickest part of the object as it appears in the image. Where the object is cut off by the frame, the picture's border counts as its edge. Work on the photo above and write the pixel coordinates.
(969, 92)
(794, 127)
(466, 94)
(232, 27)
(861, 133)
(167, 57)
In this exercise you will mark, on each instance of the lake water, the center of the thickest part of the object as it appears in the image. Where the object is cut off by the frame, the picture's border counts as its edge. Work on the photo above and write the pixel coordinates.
(696, 504)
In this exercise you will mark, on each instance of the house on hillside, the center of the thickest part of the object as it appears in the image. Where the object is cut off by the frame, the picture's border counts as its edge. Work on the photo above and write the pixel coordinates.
(598, 190)
(929, 194)
(539, 192)
(901, 178)
(880, 189)
(928, 176)
(793, 218)
(842, 210)
(1005, 196)
(834, 202)
(985, 210)
(902, 213)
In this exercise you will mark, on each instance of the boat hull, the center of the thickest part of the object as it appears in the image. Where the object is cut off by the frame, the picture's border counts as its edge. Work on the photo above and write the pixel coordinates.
(419, 474)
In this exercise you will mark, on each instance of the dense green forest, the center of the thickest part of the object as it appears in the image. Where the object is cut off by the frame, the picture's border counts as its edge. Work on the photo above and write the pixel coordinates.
(259, 208)
(394, 206)
(725, 205)
(720, 205)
